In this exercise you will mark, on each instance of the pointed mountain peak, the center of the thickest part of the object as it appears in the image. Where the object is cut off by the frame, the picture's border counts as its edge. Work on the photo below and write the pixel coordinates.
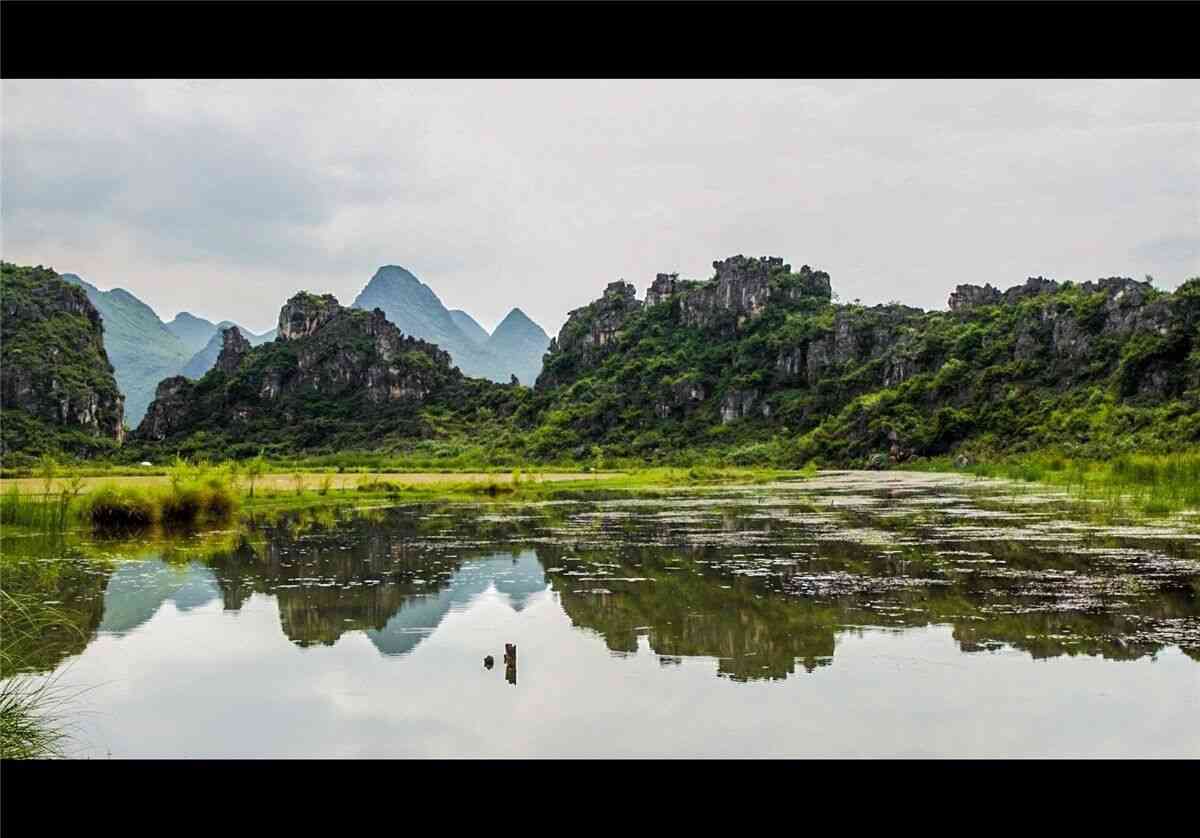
(518, 321)
(395, 273)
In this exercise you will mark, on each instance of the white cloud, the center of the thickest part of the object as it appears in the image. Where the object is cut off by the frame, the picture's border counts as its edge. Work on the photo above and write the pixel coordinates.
(224, 197)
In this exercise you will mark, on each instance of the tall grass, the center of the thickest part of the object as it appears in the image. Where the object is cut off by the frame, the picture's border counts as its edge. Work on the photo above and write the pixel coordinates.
(31, 721)
(197, 493)
(1146, 484)
(47, 512)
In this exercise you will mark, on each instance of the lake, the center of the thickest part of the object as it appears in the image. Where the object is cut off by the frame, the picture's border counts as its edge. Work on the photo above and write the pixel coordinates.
(852, 615)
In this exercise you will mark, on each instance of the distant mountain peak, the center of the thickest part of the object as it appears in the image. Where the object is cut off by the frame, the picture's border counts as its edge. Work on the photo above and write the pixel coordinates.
(395, 273)
(469, 326)
(517, 321)
(416, 310)
(187, 317)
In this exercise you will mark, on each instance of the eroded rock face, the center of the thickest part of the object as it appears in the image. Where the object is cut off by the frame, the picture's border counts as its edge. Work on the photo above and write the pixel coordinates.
(169, 410)
(589, 333)
(233, 348)
(737, 404)
(739, 292)
(304, 314)
(327, 357)
(969, 296)
(55, 367)
(661, 289)
(857, 336)
(742, 289)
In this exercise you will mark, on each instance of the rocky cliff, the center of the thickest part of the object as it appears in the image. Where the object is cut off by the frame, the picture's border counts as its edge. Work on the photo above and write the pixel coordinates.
(333, 377)
(206, 356)
(58, 390)
(141, 347)
(759, 357)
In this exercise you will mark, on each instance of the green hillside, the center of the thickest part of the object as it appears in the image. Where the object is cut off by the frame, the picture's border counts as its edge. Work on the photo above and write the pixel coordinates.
(142, 349)
(58, 390)
(759, 365)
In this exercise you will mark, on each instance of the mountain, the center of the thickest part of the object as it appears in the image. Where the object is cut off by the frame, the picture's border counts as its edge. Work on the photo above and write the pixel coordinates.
(416, 310)
(467, 325)
(335, 378)
(203, 361)
(758, 365)
(142, 349)
(58, 391)
(193, 332)
(413, 307)
(518, 344)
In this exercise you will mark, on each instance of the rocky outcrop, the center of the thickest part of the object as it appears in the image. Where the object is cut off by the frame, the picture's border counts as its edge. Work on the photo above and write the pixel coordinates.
(858, 335)
(327, 361)
(233, 348)
(737, 404)
(1115, 288)
(662, 289)
(589, 333)
(170, 409)
(305, 314)
(739, 292)
(55, 368)
(742, 288)
(762, 345)
(970, 296)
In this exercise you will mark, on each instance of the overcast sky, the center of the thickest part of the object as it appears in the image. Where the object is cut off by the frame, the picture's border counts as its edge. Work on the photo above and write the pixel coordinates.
(224, 197)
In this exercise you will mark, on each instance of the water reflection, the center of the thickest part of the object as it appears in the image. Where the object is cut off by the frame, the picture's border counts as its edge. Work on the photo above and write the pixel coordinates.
(761, 582)
(776, 584)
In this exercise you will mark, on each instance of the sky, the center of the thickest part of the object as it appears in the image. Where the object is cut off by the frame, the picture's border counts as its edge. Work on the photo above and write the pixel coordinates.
(224, 197)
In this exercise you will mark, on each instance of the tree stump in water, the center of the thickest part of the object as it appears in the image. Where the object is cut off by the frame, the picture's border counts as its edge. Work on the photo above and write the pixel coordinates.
(510, 662)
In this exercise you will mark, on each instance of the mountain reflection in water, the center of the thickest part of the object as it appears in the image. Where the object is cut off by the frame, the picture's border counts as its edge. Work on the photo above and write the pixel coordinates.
(857, 615)
(761, 582)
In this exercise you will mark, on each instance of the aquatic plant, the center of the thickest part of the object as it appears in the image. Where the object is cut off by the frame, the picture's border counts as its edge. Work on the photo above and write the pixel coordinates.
(42, 513)
(110, 507)
(31, 724)
(1125, 485)
(195, 493)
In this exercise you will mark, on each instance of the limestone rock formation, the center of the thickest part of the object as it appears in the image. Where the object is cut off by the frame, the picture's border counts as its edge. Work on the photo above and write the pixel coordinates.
(56, 373)
(590, 332)
(766, 350)
(331, 367)
(233, 349)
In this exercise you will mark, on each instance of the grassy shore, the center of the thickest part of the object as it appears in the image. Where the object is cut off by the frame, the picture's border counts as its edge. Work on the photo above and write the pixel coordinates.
(204, 494)
(1131, 485)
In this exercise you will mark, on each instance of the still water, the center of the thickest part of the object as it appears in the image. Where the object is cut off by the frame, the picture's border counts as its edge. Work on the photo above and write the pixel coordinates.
(851, 615)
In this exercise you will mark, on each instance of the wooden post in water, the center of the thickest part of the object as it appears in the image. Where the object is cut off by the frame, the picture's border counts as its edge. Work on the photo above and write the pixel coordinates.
(510, 663)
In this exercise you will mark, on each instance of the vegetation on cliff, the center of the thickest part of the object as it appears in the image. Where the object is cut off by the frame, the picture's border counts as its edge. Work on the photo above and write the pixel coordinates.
(142, 349)
(759, 365)
(335, 379)
(58, 392)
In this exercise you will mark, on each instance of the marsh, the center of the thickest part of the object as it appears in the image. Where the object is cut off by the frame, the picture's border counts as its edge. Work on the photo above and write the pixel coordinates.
(854, 614)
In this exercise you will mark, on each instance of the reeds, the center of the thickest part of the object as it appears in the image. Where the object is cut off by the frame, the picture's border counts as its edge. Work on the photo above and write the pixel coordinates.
(196, 494)
(1129, 484)
(48, 512)
(31, 726)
